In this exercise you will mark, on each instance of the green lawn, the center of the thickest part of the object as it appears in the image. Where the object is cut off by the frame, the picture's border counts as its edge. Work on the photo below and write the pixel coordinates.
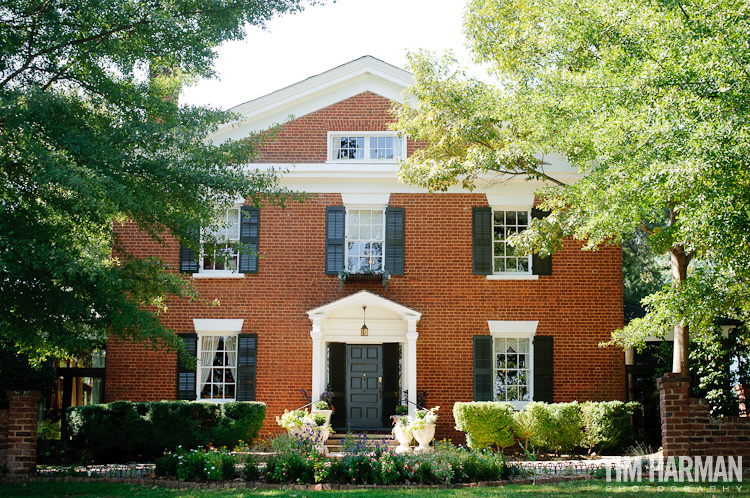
(597, 489)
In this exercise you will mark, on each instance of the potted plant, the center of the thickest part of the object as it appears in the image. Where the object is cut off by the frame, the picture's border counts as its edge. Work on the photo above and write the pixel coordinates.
(323, 408)
(423, 427)
(319, 429)
(402, 431)
(292, 421)
(325, 404)
(401, 410)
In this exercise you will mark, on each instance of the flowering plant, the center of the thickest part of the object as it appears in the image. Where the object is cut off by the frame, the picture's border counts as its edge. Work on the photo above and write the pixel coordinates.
(292, 420)
(424, 417)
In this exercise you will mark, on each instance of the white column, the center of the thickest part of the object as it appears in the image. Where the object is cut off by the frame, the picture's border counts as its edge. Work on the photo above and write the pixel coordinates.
(318, 359)
(411, 364)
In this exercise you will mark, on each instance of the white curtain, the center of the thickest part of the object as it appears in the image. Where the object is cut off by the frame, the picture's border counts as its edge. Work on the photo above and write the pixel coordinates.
(230, 345)
(209, 343)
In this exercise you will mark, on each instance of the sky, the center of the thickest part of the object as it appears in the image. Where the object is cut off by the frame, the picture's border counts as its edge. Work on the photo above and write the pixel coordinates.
(295, 47)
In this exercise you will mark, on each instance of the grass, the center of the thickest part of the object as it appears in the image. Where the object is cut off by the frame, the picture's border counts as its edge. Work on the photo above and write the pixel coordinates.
(595, 489)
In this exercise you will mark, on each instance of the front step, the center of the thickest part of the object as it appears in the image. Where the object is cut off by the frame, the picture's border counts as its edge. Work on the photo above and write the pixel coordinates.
(369, 439)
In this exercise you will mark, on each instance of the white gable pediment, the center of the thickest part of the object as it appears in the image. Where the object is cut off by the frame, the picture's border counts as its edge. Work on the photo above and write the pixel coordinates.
(366, 74)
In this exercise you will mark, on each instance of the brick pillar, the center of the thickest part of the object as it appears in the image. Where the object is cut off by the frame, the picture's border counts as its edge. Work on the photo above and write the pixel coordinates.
(4, 437)
(674, 402)
(743, 393)
(22, 424)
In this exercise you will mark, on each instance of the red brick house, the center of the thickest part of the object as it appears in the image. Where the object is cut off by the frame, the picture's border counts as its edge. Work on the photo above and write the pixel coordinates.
(463, 317)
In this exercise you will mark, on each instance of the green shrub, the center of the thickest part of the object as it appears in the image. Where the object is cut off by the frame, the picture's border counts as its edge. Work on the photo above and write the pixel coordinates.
(555, 427)
(485, 423)
(240, 421)
(608, 424)
(125, 431)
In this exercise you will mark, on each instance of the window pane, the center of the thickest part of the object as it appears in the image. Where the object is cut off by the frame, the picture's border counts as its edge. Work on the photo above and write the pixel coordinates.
(397, 148)
(510, 264)
(499, 249)
(523, 264)
(510, 218)
(523, 345)
(523, 217)
(365, 217)
(499, 265)
(377, 217)
(376, 249)
(354, 217)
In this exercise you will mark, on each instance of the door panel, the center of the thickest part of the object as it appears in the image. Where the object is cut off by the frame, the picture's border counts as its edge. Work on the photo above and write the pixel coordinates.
(364, 389)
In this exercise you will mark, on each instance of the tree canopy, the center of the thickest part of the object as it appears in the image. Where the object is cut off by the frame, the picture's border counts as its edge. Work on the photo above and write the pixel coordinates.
(649, 100)
(91, 133)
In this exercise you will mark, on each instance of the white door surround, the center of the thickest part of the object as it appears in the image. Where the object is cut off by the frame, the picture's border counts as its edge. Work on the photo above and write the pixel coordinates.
(387, 321)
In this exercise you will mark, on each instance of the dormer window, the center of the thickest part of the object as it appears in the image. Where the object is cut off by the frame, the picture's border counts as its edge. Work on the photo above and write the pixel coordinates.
(365, 146)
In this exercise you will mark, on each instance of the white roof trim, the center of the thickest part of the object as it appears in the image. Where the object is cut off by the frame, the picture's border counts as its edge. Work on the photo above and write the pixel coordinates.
(364, 298)
(512, 327)
(206, 325)
(317, 92)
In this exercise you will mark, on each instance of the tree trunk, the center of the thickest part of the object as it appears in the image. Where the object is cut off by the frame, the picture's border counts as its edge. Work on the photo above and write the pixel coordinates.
(679, 262)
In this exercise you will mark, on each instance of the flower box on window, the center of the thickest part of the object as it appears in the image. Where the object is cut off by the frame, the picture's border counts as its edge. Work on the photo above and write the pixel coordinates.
(364, 276)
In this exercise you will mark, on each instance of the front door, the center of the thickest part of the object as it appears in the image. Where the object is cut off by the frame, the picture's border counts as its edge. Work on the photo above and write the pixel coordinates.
(364, 387)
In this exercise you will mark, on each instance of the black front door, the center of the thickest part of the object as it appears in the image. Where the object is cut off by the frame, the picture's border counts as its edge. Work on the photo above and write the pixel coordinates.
(364, 387)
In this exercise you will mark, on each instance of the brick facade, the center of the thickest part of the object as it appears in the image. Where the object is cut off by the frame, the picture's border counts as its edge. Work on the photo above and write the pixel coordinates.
(580, 304)
(689, 430)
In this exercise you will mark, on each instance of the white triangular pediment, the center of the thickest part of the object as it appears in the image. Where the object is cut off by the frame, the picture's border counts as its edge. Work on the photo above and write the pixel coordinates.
(317, 92)
(350, 307)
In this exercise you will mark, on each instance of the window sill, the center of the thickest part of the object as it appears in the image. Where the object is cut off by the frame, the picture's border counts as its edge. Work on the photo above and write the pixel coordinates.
(513, 277)
(211, 400)
(227, 274)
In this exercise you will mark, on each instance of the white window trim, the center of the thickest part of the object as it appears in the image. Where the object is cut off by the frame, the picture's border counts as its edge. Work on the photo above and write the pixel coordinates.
(201, 273)
(520, 329)
(357, 207)
(213, 327)
(366, 135)
(510, 275)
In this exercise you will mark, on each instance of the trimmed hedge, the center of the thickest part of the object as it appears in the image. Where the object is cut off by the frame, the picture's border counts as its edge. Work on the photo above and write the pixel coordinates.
(485, 424)
(556, 427)
(125, 431)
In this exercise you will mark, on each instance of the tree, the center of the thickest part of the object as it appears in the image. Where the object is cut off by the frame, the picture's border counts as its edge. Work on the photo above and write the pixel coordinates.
(91, 134)
(650, 101)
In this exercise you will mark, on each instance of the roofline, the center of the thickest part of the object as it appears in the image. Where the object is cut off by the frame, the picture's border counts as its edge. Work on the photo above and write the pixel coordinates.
(285, 99)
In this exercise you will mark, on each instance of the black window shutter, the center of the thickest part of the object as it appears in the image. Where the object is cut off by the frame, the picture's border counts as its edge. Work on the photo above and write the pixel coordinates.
(483, 368)
(337, 379)
(186, 374)
(543, 368)
(249, 234)
(247, 354)
(188, 258)
(481, 228)
(335, 223)
(394, 240)
(540, 265)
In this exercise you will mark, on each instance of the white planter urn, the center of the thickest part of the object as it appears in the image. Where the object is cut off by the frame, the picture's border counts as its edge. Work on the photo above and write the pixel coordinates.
(424, 436)
(327, 413)
(296, 431)
(404, 437)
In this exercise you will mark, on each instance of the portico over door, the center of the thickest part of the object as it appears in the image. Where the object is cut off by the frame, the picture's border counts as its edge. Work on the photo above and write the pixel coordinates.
(389, 323)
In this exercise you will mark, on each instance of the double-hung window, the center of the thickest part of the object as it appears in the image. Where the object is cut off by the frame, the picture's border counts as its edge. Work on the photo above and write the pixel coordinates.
(493, 254)
(217, 367)
(513, 369)
(228, 249)
(506, 260)
(224, 363)
(365, 147)
(513, 364)
(220, 244)
(365, 239)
